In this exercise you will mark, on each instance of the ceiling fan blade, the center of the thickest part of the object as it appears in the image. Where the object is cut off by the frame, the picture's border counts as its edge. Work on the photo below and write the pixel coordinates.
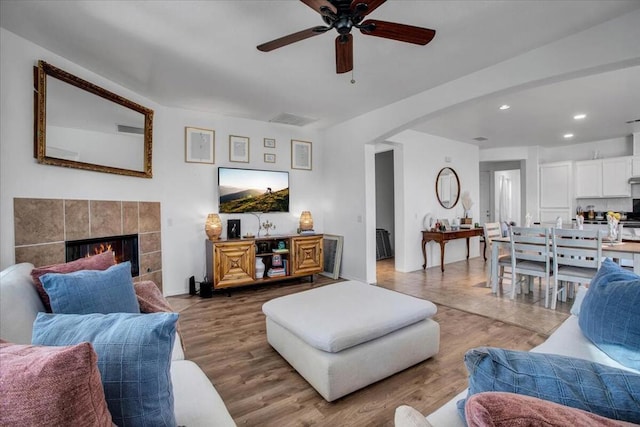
(400, 32)
(344, 53)
(317, 5)
(365, 7)
(291, 38)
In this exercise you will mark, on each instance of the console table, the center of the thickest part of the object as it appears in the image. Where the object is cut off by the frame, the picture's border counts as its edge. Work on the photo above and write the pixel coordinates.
(443, 237)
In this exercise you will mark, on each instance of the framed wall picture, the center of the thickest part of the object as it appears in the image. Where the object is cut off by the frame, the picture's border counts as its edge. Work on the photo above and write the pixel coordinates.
(300, 155)
(332, 254)
(238, 149)
(269, 143)
(269, 158)
(233, 229)
(199, 145)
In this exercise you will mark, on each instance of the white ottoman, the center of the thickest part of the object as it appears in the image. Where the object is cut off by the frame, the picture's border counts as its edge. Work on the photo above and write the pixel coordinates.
(345, 336)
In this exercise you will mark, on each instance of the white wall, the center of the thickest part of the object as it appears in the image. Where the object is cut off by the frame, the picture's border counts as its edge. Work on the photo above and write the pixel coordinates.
(423, 156)
(187, 191)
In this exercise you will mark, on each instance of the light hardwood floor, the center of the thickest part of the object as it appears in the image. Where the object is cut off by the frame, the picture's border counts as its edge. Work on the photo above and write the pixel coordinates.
(226, 337)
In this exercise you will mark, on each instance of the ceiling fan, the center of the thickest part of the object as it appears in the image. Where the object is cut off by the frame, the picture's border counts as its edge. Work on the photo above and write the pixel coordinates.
(343, 15)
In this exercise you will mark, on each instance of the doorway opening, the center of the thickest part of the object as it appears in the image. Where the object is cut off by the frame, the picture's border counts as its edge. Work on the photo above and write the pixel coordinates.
(385, 205)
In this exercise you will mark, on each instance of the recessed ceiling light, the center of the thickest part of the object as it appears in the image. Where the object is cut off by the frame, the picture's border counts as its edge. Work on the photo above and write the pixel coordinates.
(568, 135)
(505, 107)
(579, 116)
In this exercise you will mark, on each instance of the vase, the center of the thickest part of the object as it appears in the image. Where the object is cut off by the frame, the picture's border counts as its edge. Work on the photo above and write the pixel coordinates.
(259, 268)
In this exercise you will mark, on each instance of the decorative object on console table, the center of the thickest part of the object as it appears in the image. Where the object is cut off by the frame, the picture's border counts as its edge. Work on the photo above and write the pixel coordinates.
(213, 226)
(199, 145)
(259, 268)
(301, 155)
(233, 229)
(267, 225)
(466, 204)
(238, 149)
(306, 221)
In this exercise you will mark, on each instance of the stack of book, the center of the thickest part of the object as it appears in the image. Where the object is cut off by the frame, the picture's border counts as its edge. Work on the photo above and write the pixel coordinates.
(276, 272)
(306, 232)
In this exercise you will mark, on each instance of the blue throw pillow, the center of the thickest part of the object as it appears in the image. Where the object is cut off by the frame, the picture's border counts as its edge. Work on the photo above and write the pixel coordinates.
(134, 359)
(577, 383)
(610, 314)
(92, 291)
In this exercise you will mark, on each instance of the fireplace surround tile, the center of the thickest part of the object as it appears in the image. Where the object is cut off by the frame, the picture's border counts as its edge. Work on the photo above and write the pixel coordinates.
(150, 242)
(76, 219)
(106, 218)
(39, 255)
(130, 217)
(38, 221)
(149, 216)
(150, 262)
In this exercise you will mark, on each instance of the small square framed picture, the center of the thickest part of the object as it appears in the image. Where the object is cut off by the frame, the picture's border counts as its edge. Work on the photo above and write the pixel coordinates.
(238, 149)
(269, 143)
(199, 145)
(269, 158)
(300, 155)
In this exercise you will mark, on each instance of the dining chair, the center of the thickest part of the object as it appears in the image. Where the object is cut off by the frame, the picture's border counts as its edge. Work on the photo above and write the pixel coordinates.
(492, 230)
(576, 258)
(531, 257)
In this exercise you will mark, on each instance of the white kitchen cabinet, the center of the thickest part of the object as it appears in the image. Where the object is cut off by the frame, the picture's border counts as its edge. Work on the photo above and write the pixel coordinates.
(603, 178)
(589, 178)
(635, 166)
(615, 177)
(556, 191)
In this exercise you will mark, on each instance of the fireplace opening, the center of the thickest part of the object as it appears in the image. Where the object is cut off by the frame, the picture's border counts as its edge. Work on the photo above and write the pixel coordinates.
(124, 247)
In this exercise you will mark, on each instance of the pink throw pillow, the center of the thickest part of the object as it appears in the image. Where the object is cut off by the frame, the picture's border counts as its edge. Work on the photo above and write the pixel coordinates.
(498, 409)
(96, 262)
(151, 300)
(52, 386)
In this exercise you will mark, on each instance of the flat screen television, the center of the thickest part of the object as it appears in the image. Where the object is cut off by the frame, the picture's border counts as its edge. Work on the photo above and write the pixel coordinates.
(251, 190)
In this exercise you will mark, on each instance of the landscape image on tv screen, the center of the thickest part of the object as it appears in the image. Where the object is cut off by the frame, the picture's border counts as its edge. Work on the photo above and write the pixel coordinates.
(250, 190)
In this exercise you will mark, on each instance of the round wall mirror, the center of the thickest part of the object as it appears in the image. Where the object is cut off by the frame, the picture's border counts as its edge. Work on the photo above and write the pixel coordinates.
(447, 188)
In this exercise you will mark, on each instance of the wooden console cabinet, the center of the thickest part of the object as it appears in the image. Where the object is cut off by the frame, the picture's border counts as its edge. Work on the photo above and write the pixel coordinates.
(232, 263)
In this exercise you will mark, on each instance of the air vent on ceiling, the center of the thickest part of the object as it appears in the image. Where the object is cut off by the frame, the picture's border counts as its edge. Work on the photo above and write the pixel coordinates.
(480, 138)
(291, 119)
(130, 129)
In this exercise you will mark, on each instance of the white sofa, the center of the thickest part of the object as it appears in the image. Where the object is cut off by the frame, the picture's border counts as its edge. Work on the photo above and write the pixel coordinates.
(567, 340)
(196, 401)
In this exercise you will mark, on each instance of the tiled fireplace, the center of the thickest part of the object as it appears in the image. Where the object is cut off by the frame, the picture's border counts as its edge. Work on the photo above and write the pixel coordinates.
(45, 227)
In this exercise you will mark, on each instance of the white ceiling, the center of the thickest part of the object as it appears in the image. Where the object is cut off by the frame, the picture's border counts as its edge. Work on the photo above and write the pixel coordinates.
(202, 55)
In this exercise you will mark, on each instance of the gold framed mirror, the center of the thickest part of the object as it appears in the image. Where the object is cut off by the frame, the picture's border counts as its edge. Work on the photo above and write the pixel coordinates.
(81, 125)
(447, 188)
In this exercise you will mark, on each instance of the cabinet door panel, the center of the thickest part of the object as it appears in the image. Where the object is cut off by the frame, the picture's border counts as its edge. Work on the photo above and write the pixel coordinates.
(556, 185)
(306, 255)
(615, 177)
(589, 179)
(234, 264)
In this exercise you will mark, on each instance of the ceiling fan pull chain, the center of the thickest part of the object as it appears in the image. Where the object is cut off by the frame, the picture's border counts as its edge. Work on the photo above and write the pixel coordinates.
(353, 79)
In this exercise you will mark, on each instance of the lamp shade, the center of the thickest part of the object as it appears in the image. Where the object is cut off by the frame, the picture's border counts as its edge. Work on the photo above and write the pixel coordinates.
(306, 221)
(213, 226)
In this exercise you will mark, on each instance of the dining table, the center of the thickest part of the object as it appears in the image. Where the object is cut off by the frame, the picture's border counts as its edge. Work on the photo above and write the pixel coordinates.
(629, 250)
